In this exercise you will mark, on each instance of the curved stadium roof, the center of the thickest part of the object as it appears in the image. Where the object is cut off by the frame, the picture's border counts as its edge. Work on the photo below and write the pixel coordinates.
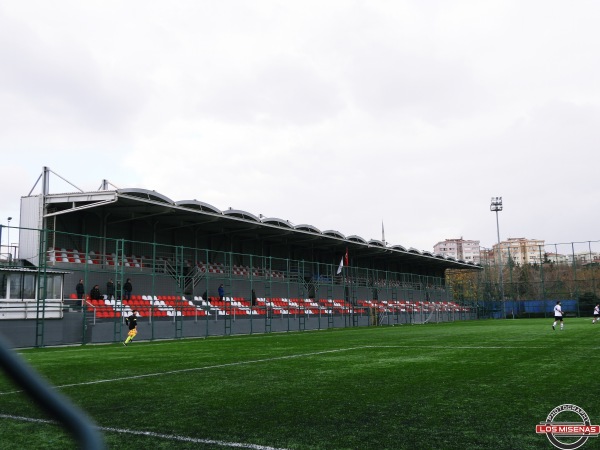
(356, 238)
(334, 233)
(277, 221)
(307, 227)
(137, 202)
(200, 206)
(146, 194)
(241, 214)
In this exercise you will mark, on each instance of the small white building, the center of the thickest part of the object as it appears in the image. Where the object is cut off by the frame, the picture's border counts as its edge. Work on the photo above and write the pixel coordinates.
(587, 257)
(558, 258)
(20, 293)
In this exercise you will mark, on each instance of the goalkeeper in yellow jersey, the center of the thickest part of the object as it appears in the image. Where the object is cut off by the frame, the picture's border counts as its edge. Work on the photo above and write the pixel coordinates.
(131, 322)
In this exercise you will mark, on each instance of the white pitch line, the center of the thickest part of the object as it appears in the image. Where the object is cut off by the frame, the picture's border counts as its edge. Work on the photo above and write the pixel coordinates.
(464, 347)
(278, 358)
(155, 435)
(194, 369)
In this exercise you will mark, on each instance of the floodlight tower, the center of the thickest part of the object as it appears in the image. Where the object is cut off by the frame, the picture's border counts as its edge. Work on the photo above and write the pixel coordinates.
(8, 239)
(496, 205)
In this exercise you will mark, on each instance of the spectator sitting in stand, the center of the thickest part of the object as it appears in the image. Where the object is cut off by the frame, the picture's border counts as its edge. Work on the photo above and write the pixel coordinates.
(95, 293)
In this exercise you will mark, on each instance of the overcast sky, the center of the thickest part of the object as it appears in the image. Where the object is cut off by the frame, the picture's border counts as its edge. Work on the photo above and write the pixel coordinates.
(340, 114)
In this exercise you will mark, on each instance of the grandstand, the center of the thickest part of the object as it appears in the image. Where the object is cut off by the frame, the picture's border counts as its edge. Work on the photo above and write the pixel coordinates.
(277, 276)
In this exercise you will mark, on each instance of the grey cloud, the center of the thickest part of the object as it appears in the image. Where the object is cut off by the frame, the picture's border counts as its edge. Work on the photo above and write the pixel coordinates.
(558, 130)
(283, 92)
(386, 81)
(61, 84)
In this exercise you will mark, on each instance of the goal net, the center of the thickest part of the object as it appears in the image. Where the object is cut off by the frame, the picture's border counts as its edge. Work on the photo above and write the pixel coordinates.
(427, 313)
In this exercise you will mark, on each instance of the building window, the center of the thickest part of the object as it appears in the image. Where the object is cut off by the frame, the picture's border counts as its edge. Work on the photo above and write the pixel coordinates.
(3, 285)
(22, 286)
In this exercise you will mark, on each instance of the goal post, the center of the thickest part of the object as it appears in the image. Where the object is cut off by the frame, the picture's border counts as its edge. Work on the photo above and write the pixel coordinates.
(427, 313)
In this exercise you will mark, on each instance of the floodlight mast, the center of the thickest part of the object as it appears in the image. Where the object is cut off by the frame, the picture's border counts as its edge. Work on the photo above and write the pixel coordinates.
(495, 206)
(8, 239)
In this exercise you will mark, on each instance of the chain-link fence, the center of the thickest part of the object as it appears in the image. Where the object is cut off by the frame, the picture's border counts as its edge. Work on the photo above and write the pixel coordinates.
(83, 287)
(526, 280)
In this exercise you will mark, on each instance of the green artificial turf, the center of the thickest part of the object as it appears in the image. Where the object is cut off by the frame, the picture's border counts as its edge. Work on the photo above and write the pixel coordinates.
(461, 385)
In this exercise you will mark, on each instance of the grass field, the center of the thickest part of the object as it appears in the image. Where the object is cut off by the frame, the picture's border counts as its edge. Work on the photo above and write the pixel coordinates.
(461, 385)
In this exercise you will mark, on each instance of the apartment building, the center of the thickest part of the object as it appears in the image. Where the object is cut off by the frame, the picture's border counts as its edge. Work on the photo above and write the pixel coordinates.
(521, 250)
(463, 249)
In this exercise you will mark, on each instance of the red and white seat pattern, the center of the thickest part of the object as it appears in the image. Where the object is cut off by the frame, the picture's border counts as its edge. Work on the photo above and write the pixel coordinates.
(64, 255)
(170, 306)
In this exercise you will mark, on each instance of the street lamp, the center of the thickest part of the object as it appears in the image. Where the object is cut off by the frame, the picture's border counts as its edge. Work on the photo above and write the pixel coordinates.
(8, 239)
(496, 206)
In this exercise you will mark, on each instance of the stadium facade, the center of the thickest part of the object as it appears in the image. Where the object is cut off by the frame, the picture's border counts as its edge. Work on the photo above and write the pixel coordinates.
(176, 251)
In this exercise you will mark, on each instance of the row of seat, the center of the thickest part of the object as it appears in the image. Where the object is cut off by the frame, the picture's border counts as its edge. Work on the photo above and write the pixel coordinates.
(103, 312)
(74, 256)
(159, 308)
(169, 306)
(419, 306)
(241, 271)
